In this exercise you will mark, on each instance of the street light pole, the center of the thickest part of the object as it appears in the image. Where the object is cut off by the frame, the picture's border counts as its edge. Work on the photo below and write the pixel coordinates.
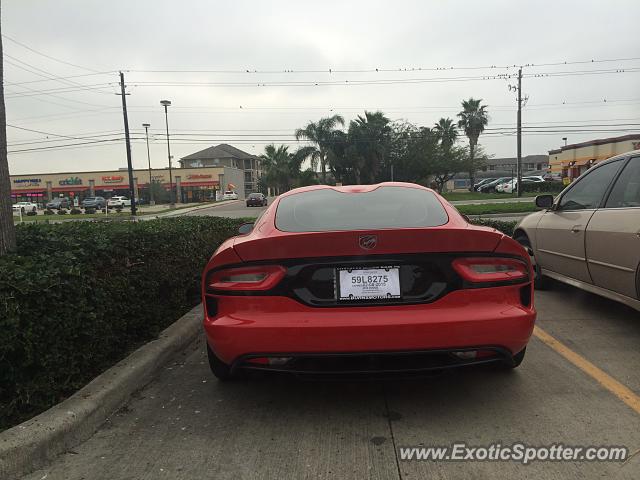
(165, 104)
(146, 131)
(565, 141)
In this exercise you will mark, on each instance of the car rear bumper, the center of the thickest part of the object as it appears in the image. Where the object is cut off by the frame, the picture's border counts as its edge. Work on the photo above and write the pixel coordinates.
(239, 327)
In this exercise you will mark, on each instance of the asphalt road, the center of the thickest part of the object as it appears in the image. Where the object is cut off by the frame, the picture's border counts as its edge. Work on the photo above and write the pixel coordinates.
(186, 425)
(231, 210)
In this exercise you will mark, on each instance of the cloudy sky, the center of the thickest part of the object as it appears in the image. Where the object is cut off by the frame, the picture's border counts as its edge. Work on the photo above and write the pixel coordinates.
(249, 72)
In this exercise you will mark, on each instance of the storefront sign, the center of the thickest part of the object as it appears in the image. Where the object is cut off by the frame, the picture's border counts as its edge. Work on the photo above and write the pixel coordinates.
(71, 181)
(198, 177)
(157, 178)
(113, 179)
(27, 182)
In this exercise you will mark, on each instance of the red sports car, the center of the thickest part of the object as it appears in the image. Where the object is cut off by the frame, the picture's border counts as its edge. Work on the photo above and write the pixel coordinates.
(383, 278)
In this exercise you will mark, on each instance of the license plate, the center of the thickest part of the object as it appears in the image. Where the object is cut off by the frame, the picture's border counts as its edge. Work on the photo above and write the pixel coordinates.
(368, 283)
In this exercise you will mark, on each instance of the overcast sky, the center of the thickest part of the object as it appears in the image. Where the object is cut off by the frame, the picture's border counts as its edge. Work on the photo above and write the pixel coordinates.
(211, 38)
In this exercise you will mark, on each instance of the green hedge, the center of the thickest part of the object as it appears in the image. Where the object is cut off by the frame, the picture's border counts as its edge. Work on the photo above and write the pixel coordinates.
(77, 297)
(543, 187)
(505, 227)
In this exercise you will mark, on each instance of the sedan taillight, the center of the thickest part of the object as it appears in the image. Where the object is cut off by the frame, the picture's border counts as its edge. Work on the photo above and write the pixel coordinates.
(254, 278)
(491, 269)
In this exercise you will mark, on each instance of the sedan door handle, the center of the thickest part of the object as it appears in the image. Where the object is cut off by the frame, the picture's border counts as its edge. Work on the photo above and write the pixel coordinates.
(576, 229)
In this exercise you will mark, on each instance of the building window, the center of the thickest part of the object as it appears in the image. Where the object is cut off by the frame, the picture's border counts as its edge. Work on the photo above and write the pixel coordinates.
(492, 167)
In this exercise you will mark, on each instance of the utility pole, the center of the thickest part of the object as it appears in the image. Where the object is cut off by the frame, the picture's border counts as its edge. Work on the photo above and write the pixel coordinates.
(128, 144)
(146, 131)
(165, 104)
(519, 170)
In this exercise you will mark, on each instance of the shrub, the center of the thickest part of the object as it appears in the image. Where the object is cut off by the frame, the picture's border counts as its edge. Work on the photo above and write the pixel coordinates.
(76, 211)
(90, 210)
(76, 297)
(505, 227)
(543, 187)
(31, 213)
(49, 212)
(62, 211)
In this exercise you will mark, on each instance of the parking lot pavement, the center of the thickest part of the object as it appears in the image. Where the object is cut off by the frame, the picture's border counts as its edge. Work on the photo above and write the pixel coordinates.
(186, 425)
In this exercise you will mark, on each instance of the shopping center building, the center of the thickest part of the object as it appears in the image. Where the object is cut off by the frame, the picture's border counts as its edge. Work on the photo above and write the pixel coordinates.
(570, 161)
(189, 184)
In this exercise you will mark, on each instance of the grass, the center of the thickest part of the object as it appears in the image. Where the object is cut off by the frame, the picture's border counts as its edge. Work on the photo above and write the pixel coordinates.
(452, 196)
(489, 208)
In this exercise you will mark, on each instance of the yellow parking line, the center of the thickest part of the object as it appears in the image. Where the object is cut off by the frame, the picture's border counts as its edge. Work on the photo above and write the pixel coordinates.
(604, 379)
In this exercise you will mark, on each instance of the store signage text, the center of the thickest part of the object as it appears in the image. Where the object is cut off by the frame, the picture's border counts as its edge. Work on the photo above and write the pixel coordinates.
(27, 182)
(198, 177)
(113, 179)
(71, 181)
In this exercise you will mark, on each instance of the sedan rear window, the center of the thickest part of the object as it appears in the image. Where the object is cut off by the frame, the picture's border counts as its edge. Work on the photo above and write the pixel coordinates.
(385, 207)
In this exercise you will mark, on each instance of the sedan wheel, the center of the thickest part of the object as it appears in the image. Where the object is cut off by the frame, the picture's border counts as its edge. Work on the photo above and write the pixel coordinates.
(539, 281)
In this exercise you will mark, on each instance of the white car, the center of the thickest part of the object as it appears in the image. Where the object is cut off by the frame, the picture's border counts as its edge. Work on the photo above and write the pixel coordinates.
(229, 195)
(118, 202)
(509, 187)
(25, 207)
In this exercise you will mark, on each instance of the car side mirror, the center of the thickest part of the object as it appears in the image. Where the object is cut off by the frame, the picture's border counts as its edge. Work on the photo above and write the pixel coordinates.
(245, 228)
(544, 201)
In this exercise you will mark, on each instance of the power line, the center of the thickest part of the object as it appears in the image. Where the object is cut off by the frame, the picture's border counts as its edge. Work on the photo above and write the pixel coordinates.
(372, 69)
(48, 56)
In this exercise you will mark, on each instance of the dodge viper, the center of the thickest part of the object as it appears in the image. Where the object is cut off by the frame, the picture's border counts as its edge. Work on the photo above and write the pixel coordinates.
(365, 279)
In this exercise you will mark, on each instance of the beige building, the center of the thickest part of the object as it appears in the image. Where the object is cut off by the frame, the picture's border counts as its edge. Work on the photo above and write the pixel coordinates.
(228, 156)
(571, 161)
(190, 184)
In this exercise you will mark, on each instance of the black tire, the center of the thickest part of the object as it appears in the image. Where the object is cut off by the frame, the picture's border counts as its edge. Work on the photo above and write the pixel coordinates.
(540, 282)
(517, 360)
(221, 370)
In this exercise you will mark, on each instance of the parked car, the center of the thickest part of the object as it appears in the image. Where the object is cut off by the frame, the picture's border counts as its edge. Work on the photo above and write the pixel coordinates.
(365, 278)
(119, 202)
(94, 202)
(490, 187)
(589, 236)
(256, 200)
(482, 182)
(512, 185)
(25, 207)
(229, 195)
(58, 203)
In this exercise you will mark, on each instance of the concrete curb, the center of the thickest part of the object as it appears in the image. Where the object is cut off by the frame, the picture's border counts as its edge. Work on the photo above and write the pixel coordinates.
(34, 443)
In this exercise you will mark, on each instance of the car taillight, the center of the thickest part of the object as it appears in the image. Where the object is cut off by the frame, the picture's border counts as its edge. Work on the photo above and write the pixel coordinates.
(258, 277)
(491, 269)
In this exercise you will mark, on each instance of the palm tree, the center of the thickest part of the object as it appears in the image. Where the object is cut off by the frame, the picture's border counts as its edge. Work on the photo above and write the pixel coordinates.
(320, 133)
(473, 119)
(7, 230)
(370, 138)
(282, 168)
(446, 132)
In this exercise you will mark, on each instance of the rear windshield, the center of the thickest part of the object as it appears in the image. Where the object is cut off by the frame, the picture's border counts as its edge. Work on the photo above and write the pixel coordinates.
(255, 195)
(384, 207)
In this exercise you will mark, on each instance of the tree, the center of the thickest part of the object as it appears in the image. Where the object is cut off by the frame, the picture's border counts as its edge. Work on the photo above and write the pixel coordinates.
(369, 139)
(473, 119)
(321, 134)
(7, 229)
(446, 132)
(282, 168)
(446, 163)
